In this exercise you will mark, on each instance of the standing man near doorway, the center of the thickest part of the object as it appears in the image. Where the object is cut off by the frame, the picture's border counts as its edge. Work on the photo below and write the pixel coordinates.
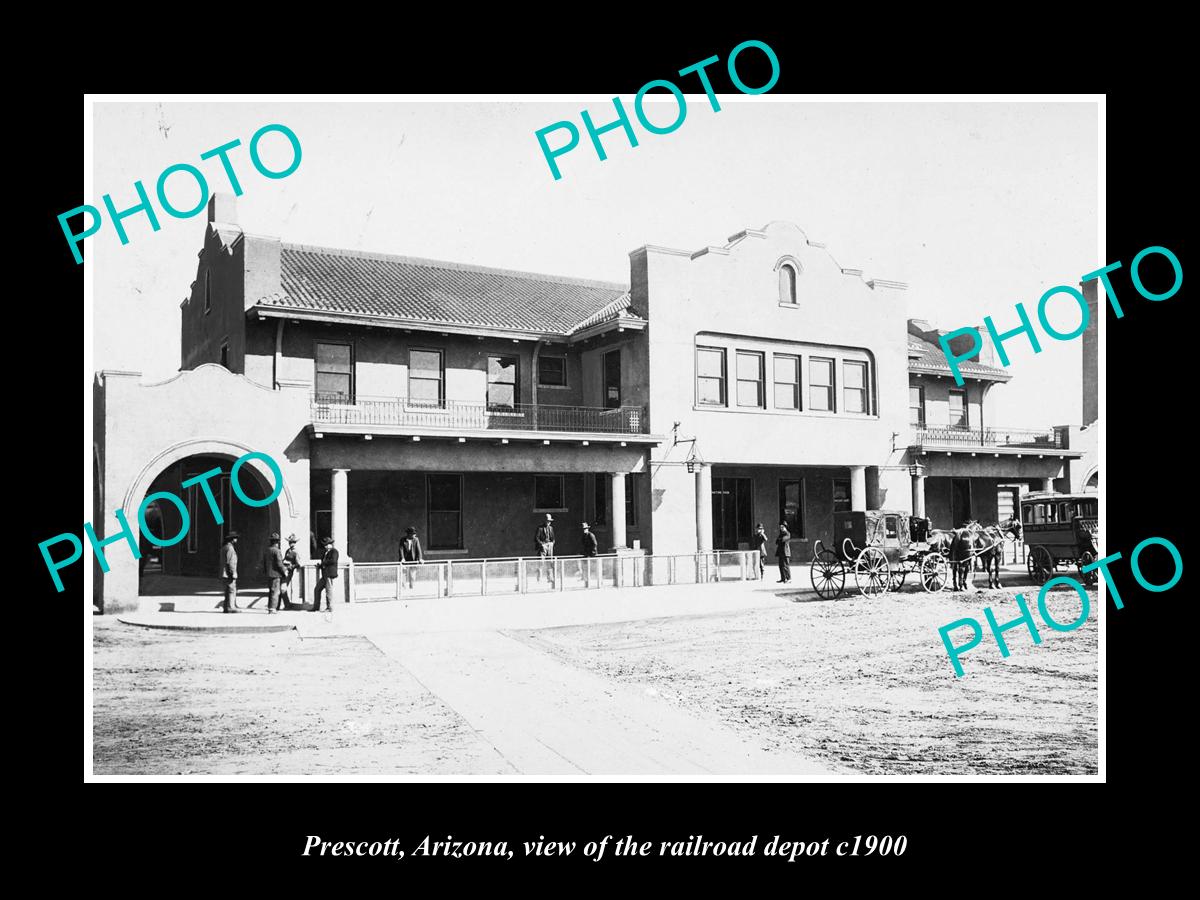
(291, 562)
(229, 562)
(275, 570)
(544, 539)
(783, 551)
(329, 567)
(590, 547)
(410, 554)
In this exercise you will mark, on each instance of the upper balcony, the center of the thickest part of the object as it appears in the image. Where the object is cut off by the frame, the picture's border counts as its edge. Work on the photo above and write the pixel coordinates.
(989, 438)
(399, 415)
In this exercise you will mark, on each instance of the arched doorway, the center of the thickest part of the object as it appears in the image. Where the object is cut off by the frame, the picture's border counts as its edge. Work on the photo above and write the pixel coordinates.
(192, 566)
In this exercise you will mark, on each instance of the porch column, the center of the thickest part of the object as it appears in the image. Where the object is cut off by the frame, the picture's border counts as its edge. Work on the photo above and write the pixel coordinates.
(703, 508)
(337, 497)
(858, 488)
(616, 507)
(918, 495)
(1047, 484)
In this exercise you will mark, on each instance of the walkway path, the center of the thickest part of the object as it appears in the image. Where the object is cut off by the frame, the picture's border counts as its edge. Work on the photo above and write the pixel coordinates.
(548, 718)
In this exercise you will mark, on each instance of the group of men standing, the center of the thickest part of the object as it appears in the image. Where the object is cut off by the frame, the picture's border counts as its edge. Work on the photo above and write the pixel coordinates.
(280, 568)
(783, 551)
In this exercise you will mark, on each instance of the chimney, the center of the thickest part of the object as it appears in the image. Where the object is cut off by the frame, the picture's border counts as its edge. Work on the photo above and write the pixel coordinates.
(222, 208)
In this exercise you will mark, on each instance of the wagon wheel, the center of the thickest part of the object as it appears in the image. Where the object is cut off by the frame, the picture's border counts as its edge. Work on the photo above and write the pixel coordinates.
(1040, 564)
(828, 575)
(1086, 559)
(896, 578)
(935, 572)
(872, 573)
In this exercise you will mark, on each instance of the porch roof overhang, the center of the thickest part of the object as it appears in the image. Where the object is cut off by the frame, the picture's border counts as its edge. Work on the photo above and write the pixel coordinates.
(490, 436)
(620, 323)
(994, 452)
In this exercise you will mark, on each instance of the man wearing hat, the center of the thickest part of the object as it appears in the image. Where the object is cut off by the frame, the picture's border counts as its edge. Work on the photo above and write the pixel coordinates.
(275, 570)
(410, 552)
(229, 563)
(329, 567)
(291, 562)
(783, 552)
(590, 546)
(544, 539)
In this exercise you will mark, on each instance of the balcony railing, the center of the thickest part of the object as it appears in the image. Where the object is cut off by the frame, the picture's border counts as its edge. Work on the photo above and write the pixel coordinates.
(986, 437)
(456, 415)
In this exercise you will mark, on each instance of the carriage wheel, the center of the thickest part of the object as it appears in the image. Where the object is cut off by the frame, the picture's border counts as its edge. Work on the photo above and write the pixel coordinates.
(872, 573)
(896, 579)
(828, 575)
(1086, 559)
(935, 572)
(1040, 564)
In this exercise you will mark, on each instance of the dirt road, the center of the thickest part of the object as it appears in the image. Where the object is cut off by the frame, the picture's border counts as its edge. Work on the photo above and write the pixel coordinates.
(178, 703)
(867, 684)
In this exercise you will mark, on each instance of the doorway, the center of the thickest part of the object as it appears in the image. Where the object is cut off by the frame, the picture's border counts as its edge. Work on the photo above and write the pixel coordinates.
(612, 379)
(960, 501)
(733, 512)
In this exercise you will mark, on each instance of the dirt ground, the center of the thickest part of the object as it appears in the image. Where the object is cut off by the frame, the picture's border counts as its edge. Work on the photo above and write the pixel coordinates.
(193, 703)
(867, 684)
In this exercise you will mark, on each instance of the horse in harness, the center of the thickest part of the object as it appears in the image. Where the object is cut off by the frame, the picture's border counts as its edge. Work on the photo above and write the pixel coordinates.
(977, 542)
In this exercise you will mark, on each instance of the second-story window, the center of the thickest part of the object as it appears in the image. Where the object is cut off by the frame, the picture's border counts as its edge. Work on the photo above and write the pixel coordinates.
(426, 378)
(749, 379)
(552, 371)
(916, 406)
(820, 384)
(854, 387)
(787, 381)
(503, 389)
(334, 382)
(710, 376)
(958, 410)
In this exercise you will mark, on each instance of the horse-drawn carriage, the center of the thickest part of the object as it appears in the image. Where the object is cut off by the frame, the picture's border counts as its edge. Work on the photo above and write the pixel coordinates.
(880, 547)
(1058, 529)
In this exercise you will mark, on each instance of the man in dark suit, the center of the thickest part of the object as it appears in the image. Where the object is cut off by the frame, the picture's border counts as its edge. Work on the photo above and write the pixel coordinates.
(229, 563)
(543, 538)
(329, 567)
(590, 547)
(410, 553)
(783, 551)
(291, 562)
(275, 570)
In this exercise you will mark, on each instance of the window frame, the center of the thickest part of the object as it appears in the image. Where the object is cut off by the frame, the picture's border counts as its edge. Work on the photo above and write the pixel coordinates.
(761, 381)
(831, 387)
(562, 494)
(317, 372)
(547, 384)
(966, 409)
(516, 383)
(207, 291)
(865, 389)
(920, 389)
(429, 510)
(794, 286)
(724, 378)
(425, 404)
(798, 359)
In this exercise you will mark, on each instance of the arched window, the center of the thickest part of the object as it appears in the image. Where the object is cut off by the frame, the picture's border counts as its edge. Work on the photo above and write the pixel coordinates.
(787, 283)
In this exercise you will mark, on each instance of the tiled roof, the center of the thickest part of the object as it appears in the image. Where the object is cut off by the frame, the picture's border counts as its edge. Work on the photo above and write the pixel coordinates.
(926, 357)
(374, 284)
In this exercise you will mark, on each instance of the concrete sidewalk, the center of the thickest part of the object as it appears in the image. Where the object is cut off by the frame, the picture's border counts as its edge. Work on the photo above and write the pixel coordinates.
(548, 718)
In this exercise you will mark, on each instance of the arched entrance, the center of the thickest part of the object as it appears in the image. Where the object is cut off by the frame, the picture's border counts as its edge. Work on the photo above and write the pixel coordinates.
(192, 566)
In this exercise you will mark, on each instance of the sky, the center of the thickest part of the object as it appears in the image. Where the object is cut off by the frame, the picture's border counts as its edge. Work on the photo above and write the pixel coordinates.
(976, 206)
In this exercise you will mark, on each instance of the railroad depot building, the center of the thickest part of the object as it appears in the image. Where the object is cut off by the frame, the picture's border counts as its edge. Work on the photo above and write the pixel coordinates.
(752, 381)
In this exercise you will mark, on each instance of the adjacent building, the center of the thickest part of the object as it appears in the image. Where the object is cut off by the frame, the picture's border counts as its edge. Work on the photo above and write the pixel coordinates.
(753, 381)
